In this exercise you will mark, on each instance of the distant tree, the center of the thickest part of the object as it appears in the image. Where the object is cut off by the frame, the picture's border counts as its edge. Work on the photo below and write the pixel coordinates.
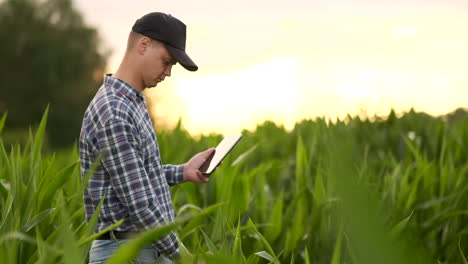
(458, 114)
(47, 56)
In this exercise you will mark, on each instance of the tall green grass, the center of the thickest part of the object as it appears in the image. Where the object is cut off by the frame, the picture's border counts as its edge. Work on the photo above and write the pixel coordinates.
(353, 191)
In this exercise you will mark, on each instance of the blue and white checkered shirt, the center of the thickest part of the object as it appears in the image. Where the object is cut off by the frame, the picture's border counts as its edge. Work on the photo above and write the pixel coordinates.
(131, 176)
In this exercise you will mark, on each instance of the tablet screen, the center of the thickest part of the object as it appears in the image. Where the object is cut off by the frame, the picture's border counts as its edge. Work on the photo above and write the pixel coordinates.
(220, 152)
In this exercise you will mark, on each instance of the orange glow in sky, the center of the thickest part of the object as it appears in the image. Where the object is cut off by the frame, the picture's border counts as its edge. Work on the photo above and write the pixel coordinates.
(290, 60)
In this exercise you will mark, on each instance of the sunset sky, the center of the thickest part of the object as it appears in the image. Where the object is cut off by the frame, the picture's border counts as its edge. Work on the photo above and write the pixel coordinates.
(289, 60)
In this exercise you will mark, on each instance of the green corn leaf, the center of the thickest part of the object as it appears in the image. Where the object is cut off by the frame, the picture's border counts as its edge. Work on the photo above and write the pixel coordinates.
(307, 258)
(131, 249)
(336, 259)
(26, 238)
(319, 190)
(276, 219)
(401, 225)
(37, 219)
(71, 251)
(6, 212)
(57, 181)
(91, 225)
(39, 139)
(2, 121)
(301, 164)
(3, 192)
(265, 255)
(237, 248)
(105, 230)
(263, 240)
(17, 236)
(244, 155)
(219, 258)
(198, 218)
(209, 242)
(4, 157)
(461, 251)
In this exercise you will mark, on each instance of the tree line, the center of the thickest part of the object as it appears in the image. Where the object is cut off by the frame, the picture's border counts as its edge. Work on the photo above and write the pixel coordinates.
(48, 55)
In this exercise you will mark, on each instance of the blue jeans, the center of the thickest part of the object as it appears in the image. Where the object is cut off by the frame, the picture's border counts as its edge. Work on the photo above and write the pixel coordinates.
(102, 250)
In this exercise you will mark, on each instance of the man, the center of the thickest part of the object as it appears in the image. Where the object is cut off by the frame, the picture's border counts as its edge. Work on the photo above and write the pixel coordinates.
(131, 177)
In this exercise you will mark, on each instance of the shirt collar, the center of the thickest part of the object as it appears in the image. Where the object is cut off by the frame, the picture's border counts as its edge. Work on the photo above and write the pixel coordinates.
(123, 87)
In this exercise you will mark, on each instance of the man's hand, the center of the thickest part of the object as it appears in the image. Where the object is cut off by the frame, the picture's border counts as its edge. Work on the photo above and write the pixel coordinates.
(191, 168)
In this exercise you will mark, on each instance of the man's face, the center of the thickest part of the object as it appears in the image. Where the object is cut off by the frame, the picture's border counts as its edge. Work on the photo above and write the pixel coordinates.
(157, 64)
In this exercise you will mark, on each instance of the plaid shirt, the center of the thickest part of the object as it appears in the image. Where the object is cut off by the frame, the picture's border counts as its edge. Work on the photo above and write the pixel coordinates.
(131, 176)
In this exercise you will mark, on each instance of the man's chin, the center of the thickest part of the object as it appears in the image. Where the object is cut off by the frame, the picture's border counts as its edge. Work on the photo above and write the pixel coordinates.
(153, 86)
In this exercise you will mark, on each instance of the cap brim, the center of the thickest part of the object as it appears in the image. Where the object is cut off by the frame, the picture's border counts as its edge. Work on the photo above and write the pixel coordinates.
(181, 57)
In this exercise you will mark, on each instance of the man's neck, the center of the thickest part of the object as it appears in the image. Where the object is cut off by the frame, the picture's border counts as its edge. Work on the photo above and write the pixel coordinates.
(126, 73)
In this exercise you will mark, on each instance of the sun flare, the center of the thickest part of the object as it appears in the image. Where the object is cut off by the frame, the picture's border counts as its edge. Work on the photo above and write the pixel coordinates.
(226, 101)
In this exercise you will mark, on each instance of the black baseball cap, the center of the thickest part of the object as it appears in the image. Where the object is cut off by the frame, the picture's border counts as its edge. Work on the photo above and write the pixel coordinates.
(170, 31)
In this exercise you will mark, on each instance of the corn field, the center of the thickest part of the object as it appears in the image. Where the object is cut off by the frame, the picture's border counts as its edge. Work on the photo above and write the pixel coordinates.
(386, 190)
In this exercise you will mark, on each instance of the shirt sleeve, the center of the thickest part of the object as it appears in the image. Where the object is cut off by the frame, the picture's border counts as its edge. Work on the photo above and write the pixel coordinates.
(130, 181)
(174, 174)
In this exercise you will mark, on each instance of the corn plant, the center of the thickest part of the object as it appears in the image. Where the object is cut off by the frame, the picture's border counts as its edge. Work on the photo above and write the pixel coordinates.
(374, 190)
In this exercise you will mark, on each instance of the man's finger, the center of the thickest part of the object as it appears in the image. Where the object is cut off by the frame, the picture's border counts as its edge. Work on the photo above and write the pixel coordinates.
(206, 177)
(203, 177)
(208, 152)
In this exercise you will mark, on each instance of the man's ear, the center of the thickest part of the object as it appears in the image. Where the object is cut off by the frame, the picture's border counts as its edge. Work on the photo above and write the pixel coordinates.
(143, 45)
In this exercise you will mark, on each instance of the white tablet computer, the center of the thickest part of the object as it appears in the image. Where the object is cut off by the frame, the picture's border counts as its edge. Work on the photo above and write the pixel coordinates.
(220, 153)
